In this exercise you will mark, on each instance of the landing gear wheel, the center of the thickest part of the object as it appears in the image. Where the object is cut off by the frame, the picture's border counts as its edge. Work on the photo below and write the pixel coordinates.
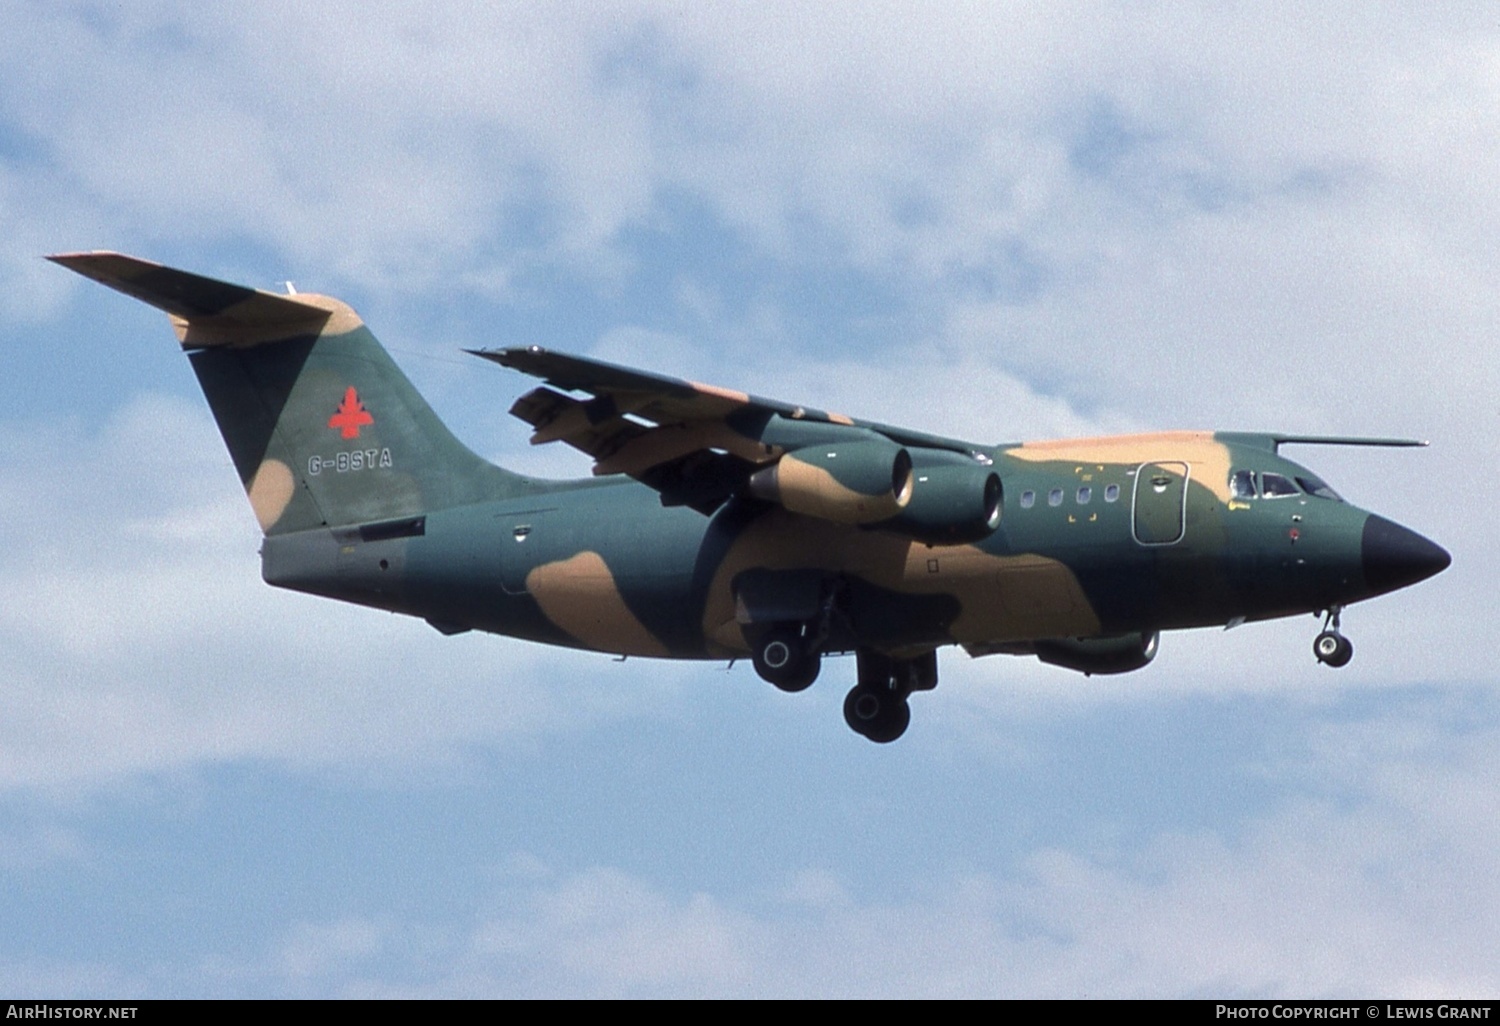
(782, 658)
(880, 714)
(1333, 649)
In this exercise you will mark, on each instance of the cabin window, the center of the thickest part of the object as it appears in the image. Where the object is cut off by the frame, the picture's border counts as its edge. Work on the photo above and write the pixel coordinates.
(1055, 497)
(1242, 485)
(1084, 495)
(1111, 492)
(1274, 486)
(1028, 499)
(1317, 486)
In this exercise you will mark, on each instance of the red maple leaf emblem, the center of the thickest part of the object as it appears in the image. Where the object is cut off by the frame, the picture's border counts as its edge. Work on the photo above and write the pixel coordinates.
(351, 415)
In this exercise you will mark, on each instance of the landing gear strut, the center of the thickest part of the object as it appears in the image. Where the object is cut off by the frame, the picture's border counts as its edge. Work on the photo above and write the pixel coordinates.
(1331, 647)
(876, 707)
(789, 654)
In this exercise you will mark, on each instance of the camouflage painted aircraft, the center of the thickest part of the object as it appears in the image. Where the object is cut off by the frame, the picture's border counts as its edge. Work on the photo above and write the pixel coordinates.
(719, 525)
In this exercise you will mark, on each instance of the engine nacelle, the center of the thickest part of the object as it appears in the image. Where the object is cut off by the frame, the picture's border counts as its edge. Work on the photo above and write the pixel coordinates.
(860, 482)
(954, 500)
(1119, 653)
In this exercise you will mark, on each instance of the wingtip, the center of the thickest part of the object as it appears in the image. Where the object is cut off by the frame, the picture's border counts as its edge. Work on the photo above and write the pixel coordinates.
(506, 356)
(103, 264)
(80, 255)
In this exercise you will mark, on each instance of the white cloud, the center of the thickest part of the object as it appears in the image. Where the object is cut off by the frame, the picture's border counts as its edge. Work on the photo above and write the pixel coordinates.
(1347, 885)
(313, 949)
(42, 979)
(614, 932)
(1340, 261)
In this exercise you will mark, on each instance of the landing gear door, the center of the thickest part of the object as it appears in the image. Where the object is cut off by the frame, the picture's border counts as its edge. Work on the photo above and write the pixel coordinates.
(1160, 503)
(779, 596)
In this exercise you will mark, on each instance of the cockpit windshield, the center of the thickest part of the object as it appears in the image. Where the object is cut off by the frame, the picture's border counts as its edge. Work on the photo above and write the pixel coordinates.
(1247, 484)
(1275, 486)
(1317, 486)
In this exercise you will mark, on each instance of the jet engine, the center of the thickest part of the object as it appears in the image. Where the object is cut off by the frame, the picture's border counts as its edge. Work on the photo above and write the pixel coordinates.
(1118, 653)
(954, 500)
(861, 482)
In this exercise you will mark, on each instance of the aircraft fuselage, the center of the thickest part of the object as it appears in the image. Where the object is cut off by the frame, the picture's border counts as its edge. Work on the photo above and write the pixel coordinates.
(1089, 544)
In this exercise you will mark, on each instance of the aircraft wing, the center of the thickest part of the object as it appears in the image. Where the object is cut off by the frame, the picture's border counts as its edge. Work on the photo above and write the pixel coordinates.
(697, 444)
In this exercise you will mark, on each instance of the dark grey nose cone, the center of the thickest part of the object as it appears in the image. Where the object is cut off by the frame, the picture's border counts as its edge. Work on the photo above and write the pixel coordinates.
(1394, 557)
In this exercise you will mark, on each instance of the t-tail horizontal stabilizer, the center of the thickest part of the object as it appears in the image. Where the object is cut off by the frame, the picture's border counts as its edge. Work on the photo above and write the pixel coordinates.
(206, 312)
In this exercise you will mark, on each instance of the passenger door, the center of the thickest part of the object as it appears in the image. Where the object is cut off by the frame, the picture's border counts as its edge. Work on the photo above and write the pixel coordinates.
(1160, 503)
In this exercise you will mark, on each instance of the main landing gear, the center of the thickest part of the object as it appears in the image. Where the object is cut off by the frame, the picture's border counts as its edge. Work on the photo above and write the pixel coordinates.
(1331, 647)
(876, 707)
(789, 653)
(788, 658)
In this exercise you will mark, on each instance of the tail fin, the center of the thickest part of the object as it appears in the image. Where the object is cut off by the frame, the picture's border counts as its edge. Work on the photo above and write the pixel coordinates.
(322, 426)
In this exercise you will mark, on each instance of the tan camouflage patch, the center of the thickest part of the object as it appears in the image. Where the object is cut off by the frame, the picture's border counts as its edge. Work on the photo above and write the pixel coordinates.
(1209, 458)
(270, 491)
(1002, 598)
(580, 596)
(573, 420)
(804, 488)
(341, 316)
(244, 325)
(738, 398)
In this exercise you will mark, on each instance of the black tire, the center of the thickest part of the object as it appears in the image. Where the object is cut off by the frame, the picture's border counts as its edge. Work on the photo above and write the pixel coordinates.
(781, 657)
(879, 714)
(1333, 649)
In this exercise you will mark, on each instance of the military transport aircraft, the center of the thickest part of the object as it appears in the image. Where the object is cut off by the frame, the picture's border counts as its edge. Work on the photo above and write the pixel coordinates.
(719, 525)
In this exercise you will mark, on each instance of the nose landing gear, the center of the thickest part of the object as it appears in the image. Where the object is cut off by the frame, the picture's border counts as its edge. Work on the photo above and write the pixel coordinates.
(1330, 647)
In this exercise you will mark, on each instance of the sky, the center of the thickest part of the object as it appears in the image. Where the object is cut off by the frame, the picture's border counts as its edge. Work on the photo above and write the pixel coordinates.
(996, 221)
